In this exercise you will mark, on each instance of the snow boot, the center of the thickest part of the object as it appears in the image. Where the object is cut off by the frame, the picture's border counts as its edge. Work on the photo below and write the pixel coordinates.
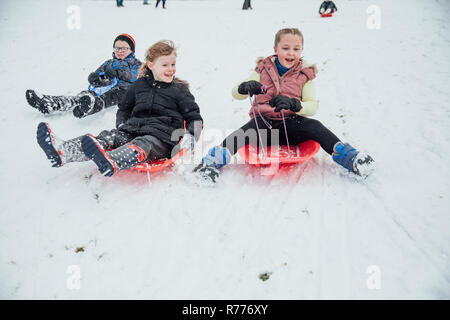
(216, 158)
(357, 162)
(58, 151)
(89, 104)
(111, 162)
(49, 104)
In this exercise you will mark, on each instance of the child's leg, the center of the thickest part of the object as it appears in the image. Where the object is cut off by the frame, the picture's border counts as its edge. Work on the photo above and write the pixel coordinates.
(49, 104)
(124, 156)
(59, 151)
(90, 104)
(219, 156)
(154, 148)
(301, 129)
(248, 134)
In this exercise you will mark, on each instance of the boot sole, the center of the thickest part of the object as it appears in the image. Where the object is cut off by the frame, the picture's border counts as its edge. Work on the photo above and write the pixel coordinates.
(32, 98)
(46, 141)
(94, 151)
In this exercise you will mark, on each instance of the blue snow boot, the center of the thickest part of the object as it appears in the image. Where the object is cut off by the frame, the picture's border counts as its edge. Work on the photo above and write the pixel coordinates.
(214, 160)
(357, 162)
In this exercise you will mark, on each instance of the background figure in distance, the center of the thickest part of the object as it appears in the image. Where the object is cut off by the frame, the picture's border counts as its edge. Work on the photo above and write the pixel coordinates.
(247, 5)
(163, 1)
(327, 7)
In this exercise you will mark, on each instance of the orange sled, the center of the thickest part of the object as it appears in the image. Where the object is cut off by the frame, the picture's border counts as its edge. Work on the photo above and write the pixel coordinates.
(282, 155)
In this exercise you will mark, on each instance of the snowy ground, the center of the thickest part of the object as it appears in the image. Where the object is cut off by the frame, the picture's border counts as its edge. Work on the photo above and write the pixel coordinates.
(317, 233)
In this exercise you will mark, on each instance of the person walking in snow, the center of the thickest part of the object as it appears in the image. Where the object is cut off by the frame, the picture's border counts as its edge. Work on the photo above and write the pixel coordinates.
(154, 107)
(247, 5)
(119, 3)
(327, 7)
(108, 84)
(163, 3)
(282, 84)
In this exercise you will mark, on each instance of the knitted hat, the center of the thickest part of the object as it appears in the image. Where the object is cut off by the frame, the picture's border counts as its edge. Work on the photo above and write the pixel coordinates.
(127, 38)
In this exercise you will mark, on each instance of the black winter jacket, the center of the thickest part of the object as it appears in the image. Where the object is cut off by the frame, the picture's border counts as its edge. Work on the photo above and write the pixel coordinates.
(157, 108)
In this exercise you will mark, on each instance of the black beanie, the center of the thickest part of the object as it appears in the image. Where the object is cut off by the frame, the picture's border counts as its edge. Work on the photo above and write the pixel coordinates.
(127, 38)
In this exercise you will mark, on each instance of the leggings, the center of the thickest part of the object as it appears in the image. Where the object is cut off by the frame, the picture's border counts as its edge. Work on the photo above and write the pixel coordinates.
(299, 129)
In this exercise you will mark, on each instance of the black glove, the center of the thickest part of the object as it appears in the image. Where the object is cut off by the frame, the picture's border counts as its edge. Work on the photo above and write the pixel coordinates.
(252, 87)
(94, 79)
(283, 102)
(110, 73)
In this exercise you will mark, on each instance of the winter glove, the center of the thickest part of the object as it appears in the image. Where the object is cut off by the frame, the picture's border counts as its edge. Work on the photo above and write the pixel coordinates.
(283, 102)
(94, 79)
(252, 87)
(110, 73)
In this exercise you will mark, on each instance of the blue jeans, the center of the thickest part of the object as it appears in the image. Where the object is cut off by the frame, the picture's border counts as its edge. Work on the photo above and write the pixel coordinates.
(119, 3)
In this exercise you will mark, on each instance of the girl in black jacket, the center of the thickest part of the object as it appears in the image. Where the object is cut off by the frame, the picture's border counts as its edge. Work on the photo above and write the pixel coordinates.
(156, 111)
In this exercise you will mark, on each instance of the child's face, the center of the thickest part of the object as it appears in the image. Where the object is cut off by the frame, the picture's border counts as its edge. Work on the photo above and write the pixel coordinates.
(121, 49)
(289, 50)
(164, 68)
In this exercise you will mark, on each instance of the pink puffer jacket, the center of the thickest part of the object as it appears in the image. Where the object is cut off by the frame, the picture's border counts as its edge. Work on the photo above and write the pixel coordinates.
(290, 85)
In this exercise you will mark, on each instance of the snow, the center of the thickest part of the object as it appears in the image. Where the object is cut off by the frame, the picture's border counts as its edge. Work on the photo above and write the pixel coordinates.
(317, 232)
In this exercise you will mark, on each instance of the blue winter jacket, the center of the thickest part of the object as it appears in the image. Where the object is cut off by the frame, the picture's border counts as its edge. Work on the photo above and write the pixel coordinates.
(126, 69)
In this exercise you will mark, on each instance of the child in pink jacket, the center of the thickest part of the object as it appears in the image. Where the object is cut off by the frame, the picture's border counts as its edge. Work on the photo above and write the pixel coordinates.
(282, 84)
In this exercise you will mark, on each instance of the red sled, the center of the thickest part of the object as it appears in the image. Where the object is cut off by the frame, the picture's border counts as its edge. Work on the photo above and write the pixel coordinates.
(326, 15)
(281, 155)
(157, 165)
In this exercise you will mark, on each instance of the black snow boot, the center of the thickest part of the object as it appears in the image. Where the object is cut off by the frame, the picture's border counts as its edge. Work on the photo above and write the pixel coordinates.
(58, 151)
(49, 104)
(89, 104)
(111, 162)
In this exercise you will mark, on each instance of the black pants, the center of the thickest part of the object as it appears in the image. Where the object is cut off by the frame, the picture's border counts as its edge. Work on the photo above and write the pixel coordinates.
(107, 99)
(158, 1)
(299, 129)
(246, 5)
(153, 147)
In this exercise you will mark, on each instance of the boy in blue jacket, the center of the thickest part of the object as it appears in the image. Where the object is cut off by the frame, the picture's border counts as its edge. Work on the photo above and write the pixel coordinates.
(107, 85)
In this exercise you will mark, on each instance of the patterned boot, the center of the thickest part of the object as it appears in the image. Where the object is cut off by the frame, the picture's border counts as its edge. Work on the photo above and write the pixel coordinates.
(58, 151)
(357, 162)
(215, 159)
(111, 162)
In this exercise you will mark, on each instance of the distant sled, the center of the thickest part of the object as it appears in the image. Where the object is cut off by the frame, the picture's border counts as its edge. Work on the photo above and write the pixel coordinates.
(326, 15)
(281, 155)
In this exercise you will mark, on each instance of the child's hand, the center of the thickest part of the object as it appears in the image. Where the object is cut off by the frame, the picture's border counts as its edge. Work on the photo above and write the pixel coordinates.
(252, 87)
(110, 73)
(94, 78)
(283, 102)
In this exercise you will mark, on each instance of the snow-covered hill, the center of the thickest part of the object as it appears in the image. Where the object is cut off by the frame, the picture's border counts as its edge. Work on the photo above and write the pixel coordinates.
(317, 233)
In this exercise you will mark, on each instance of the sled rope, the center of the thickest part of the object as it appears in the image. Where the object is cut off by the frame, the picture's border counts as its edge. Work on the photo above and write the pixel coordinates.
(285, 131)
(257, 127)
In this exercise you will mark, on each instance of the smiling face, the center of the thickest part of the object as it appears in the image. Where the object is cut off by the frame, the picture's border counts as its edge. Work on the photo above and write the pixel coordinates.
(121, 49)
(289, 50)
(164, 67)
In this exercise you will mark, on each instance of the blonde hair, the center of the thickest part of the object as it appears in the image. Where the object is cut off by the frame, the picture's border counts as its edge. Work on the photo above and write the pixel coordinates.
(284, 31)
(160, 48)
